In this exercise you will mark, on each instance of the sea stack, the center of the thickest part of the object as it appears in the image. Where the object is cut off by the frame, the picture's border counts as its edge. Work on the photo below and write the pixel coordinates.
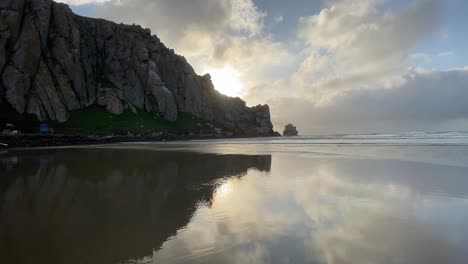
(290, 131)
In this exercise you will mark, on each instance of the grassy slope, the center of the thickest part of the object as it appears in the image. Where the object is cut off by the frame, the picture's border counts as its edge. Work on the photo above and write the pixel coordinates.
(95, 120)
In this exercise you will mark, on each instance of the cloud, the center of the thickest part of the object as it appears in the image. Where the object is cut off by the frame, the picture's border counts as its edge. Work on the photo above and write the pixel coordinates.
(354, 45)
(211, 34)
(428, 100)
(279, 19)
(356, 75)
(423, 59)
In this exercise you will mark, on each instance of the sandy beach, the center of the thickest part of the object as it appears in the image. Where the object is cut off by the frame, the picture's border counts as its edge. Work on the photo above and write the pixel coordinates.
(298, 200)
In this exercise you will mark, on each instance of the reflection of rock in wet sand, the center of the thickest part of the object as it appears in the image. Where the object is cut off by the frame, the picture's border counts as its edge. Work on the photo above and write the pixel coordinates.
(104, 206)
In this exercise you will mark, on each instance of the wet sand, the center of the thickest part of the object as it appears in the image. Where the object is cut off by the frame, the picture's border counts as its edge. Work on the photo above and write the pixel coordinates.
(234, 202)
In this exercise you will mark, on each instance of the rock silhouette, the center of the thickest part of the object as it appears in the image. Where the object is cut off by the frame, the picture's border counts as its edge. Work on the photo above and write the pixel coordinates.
(53, 62)
(290, 130)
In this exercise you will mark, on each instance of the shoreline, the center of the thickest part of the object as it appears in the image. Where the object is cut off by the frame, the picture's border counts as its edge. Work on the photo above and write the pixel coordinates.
(38, 140)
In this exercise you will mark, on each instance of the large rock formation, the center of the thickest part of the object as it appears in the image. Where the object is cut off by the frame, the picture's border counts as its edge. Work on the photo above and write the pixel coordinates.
(53, 61)
(290, 131)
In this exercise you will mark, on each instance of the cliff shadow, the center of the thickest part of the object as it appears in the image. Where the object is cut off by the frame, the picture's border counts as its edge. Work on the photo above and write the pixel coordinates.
(104, 205)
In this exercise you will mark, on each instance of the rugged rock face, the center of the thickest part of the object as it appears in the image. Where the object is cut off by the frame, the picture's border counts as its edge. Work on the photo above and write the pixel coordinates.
(53, 61)
(290, 130)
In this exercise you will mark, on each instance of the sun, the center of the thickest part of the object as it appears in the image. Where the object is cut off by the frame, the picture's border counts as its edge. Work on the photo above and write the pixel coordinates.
(227, 80)
(224, 190)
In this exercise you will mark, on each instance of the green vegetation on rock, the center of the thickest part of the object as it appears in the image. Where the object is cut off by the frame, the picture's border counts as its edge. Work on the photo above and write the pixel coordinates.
(98, 121)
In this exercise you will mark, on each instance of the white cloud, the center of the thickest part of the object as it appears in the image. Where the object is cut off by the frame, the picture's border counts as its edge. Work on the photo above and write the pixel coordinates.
(279, 19)
(246, 17)
(355, 45)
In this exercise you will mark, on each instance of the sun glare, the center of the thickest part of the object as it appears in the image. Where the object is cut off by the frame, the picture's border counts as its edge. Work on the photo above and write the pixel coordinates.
(224, 190)
(227, 81)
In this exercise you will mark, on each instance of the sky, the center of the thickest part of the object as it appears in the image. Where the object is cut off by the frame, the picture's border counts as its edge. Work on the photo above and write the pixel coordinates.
(327, 66)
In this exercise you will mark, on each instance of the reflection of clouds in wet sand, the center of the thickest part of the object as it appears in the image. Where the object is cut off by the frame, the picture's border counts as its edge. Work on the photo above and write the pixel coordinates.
(113, 205)
(330, 211)
(366, 223)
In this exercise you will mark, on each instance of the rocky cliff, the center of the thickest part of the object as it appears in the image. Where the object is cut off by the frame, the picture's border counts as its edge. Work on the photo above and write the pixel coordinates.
(53, 62)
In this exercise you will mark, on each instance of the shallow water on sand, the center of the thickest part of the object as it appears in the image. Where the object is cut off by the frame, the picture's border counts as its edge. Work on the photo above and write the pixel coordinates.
(236, 201)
